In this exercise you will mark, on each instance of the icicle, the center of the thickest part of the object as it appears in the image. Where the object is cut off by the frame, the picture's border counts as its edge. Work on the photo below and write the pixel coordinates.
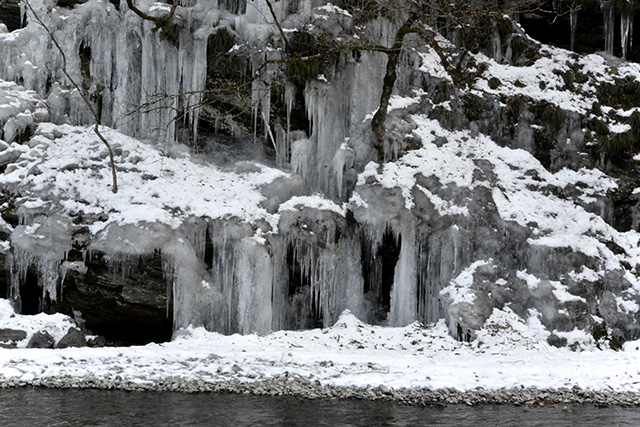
(300, 156)
(343, 159)
(289, 99)
(195, 230)
(626, 29)
(573, 21)
(253, 277)
(609, 13)
(496, 45)
(282, 146)
(403, 295)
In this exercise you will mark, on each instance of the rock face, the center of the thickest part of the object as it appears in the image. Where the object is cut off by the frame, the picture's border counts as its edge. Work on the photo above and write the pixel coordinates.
(9, 337)
(128, 305)
(41, 339)
(10, 14)
(73, 338)
(510, 185)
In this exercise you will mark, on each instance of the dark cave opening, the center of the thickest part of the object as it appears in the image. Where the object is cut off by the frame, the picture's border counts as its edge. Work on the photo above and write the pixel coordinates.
(378, 270)
(304, 305)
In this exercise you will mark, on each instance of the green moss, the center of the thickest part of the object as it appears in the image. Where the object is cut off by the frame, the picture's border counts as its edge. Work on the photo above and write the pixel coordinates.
(618, 144)
(476, 36)
(504, 26)
(220, 42)
(473, 107)
(600, 128)
(302, 43)
(226, 67)
(634, 122)
(222, 64)
(623, 93)
(553, 117)
(300, 69)
(513, 108)
(445, 116)
(518, 48)
(581, 77)
(441, 93)
(494, 83)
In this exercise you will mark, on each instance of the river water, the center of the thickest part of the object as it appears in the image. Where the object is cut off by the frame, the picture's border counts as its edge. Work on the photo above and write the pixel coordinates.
(48, 407)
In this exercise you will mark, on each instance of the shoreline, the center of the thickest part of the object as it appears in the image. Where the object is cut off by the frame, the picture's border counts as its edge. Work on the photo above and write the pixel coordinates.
(299, 387)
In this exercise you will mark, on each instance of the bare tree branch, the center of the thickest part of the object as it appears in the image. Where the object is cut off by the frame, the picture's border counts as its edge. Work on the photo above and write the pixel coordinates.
(275, 20)
(389, 81)
(96, 128)
(158, 20)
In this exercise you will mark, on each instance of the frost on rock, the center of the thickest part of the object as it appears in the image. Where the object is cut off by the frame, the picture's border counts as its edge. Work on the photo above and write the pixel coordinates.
(20, 109)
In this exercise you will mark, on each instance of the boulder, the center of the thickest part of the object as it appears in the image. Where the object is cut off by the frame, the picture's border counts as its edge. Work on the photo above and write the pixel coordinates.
(41, 339)
(7, 334)
(73, 338)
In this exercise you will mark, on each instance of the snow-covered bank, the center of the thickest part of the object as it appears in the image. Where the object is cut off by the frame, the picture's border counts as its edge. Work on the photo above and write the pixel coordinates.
(415, 364)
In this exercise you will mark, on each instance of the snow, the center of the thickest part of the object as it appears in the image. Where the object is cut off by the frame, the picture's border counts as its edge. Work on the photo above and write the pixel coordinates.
(459, 289)
(333, 9)
(74, 169)
(562, 294)
(315, 201)
(64, 169)
(558, 222)
(432, 65)
(527, 80)
(531, 280)
(507, 353)
(56, 324)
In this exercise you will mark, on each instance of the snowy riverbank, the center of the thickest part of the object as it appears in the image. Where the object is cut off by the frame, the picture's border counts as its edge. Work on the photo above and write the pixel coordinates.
(414, 364)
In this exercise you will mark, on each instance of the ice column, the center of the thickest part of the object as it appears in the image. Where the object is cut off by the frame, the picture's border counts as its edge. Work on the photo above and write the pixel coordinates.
(573, 21)
(403, 295)
(626, 33)
(609, 13)
(254, 282)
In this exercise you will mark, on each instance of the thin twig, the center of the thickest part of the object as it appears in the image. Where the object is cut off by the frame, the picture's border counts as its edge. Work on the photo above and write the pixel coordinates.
(96, 129)
(275, 20)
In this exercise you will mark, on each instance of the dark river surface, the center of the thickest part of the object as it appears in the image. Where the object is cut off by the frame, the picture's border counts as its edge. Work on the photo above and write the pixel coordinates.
(44, 407)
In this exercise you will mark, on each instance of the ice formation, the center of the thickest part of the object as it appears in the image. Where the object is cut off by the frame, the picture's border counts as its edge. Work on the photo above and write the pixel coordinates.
(483, 201)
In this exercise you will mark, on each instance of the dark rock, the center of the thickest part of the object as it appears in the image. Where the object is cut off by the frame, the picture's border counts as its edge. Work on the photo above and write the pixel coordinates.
(98, 341)
(617, 339)
(10, 14)
(556, 341)
(73, 338)
(129, 307)
(7, 334)
(41, 339)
